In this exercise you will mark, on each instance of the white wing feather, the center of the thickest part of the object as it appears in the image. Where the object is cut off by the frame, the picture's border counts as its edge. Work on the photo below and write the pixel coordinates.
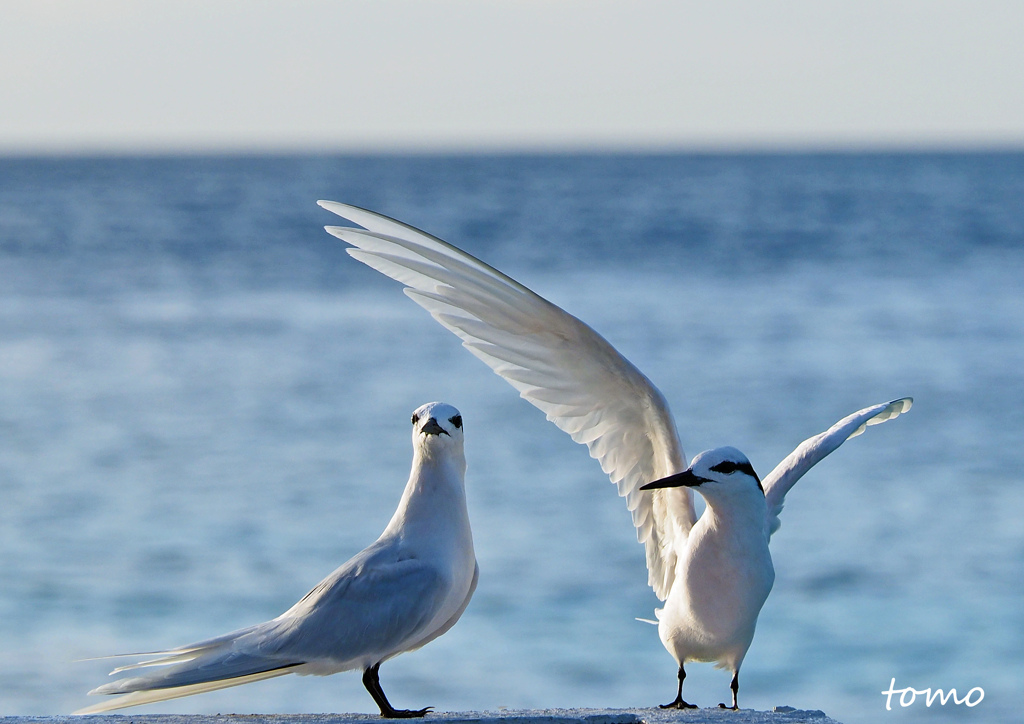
(813, 450)
(137, 698)
(331, 626)
(555, 361)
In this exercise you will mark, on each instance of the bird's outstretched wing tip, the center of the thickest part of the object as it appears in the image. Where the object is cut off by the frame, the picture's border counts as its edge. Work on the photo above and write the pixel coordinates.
(333, 206)
(882, 413)
(337, 232)
(348, 211)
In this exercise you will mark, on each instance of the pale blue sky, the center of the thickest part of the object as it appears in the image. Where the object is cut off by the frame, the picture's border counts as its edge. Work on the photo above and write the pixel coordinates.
(454, 74)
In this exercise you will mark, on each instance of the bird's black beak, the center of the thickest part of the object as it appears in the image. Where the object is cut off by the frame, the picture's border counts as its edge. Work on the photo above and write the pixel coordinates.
(683, 479)
(432, 428)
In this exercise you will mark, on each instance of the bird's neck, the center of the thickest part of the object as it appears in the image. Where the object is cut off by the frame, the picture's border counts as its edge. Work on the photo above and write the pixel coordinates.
(433, 505)
(747, 515)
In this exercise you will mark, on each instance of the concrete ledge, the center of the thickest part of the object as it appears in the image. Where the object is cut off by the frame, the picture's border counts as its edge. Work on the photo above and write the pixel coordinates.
(781, 715)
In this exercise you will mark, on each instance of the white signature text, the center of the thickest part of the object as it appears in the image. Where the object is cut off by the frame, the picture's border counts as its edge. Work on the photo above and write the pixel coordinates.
(909, 695)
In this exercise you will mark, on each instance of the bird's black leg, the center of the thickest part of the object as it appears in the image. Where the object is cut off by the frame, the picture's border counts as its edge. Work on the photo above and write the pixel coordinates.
(371, 680)
(679, 703)
(735, 686)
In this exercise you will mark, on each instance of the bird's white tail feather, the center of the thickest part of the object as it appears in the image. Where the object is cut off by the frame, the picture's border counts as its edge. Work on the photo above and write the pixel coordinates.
(164, 660)
(154, 695)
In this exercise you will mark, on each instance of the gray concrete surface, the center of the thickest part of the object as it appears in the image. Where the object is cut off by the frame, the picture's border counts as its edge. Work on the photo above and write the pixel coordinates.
(781, 715)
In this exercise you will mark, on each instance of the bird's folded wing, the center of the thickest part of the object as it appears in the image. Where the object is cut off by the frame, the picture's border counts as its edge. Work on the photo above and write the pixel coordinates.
(813, 450)
(175, 655)
(217, 663)
(367, 608)
(555, 361)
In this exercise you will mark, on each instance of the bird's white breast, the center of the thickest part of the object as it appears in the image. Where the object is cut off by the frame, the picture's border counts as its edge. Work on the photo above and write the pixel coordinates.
(723, 578)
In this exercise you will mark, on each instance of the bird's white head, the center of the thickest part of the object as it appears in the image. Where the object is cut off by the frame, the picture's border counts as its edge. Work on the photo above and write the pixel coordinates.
(717, 474)
(437, 430)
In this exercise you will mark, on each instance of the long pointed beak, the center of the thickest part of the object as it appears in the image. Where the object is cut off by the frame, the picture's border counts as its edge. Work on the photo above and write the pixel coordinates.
(432, 428)
(683, 479)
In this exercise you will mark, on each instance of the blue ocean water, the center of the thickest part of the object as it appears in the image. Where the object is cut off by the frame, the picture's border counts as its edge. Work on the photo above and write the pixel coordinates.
(204, 410)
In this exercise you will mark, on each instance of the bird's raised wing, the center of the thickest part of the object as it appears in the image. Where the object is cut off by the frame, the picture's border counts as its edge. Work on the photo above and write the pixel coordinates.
(812, 450)
(555, 361)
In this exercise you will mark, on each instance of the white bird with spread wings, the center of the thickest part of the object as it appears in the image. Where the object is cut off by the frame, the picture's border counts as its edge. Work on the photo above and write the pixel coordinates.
(715, 573)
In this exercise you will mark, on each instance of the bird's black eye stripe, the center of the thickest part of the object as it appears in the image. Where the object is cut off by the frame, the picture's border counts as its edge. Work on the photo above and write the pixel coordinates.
(728, 466)
(457, 420)
(749, 470)
(415, 419)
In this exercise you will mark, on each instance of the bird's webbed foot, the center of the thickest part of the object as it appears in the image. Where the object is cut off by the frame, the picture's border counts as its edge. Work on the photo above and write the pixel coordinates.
(735, 686)
(677, 704)
(405, 713)
(371, 680)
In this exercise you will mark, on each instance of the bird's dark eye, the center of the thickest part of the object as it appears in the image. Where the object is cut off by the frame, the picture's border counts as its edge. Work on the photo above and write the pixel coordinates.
(415, 419)
(457, 420)
(729, 466)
